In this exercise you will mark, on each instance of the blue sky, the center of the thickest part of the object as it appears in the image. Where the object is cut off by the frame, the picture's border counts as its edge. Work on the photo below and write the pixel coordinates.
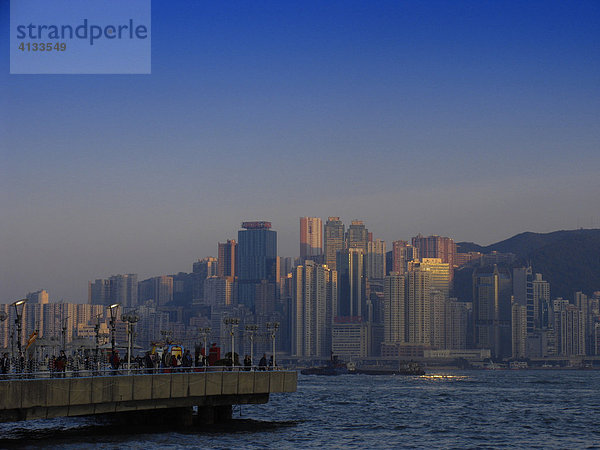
(476, 120)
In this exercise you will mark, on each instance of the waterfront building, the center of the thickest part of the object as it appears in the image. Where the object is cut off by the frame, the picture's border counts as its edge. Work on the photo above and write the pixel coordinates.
(569, 326)
(394, 317)
(492, 288)
(456, 324)
(519, 330)
(349, 338)
(314, 299)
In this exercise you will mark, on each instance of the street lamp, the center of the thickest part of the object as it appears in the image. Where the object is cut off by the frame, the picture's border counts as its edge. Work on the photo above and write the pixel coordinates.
(232, 323)
(251, 330)
(273, 327)
(64, 333)
(19, 320)
(205, 332)
(113, 309)
(130, 319)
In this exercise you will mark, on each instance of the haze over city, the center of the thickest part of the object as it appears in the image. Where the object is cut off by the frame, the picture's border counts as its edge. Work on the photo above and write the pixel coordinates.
(475, 121)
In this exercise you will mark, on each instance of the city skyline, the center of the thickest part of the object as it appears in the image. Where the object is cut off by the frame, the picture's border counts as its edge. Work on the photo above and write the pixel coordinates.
(473, 120)
(188, 266)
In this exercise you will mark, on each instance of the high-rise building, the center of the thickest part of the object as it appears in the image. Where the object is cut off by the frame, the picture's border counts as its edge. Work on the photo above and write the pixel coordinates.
(226, 260)
(122, 289)
(402, 254)
(256, 260)
(158, 289)
(334, 240)
(541, 301)
(436, 247)
(439, 273)
(394, 323)
(357, 235)
(457, 323)
(201, 270)
(523, 293)
(314, 297)
(311, 239)
(375, 265)
(418, 305)
(38, 297)
(352, 298)
(569, 325)
(519, 330)
(492, 288)
(217, 291)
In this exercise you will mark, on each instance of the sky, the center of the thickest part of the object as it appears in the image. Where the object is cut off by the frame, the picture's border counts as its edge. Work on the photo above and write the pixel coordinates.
(476, 120)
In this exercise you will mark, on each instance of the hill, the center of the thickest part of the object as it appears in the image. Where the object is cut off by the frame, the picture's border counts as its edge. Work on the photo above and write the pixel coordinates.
(568, 259)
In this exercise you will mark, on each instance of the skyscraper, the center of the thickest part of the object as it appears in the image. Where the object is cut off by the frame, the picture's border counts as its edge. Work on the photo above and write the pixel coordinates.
(394, 325)
(492, 288)
(402, 254)
(256, 260)
(375, 264)
(334, 240)
(122, 289)
(314, 297)
(352, 301)
(436, 247)
(523, 293)
(311, 239)
(357, 235)
(226, 260)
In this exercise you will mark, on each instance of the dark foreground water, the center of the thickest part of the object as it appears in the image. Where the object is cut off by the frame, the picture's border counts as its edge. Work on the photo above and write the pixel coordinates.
(533, 409)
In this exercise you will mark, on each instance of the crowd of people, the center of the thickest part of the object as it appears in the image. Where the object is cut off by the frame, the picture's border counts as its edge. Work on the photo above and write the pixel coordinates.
(163, 360)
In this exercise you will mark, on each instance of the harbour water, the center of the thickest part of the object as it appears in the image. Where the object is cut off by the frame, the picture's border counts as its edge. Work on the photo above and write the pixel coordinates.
(497, 408)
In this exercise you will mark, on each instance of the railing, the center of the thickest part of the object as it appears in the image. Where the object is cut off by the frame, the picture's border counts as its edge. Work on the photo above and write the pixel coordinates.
(37, 370)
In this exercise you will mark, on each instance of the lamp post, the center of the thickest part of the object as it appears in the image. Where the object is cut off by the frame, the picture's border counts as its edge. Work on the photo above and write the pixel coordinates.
(19, 320)
(113, 309)
(273, 327)
(205, 332)
(251, 330)
(232, 323)
(64, 333)
(130, 319)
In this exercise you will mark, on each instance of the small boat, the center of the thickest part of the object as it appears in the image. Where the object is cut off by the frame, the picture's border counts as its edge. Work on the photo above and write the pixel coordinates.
(333, 367)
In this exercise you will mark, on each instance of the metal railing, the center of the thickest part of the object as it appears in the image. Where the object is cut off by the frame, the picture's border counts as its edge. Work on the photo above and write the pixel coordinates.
(75, 368)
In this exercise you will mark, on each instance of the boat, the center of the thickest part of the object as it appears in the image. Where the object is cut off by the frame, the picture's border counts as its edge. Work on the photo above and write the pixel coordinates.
(333, 367)
(410, 368)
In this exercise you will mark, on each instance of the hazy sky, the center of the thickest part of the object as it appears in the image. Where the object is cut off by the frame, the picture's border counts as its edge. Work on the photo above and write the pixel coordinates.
(476, 120)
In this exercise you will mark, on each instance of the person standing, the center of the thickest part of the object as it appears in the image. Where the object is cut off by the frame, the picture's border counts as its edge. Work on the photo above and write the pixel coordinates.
(262, 364)
(61, 364)
(115, 362)
(5, 365)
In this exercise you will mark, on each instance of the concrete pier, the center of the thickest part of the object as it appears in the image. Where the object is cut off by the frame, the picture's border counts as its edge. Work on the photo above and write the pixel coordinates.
(212, 392)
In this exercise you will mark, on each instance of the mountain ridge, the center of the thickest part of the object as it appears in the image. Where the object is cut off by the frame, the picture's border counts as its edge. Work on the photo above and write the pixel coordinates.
(568, 259)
